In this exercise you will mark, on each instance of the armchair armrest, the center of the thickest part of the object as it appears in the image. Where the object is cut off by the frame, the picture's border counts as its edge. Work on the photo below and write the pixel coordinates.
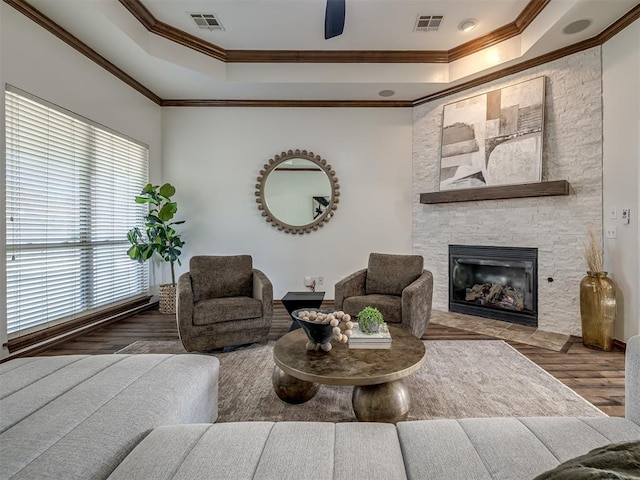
(263, 291)
(184, 299)
(350, 286)
(416, 304)
(632, 382)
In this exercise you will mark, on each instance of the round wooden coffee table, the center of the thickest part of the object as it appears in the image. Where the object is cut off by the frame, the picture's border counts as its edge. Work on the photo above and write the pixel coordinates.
(378, 394)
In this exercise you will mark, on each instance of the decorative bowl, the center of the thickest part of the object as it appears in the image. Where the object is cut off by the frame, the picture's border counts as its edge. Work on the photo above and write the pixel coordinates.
(316, 332)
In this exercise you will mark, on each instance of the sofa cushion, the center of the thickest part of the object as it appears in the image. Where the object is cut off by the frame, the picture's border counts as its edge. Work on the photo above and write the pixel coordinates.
(503, 448)
(390, 274)
(217, 310)
(389, 305)
(265, 450)
(77, 417)
(221, 276)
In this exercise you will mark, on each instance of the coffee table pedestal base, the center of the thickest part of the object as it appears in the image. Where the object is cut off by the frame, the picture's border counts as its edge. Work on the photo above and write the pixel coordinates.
(292, 390)
(386, 402)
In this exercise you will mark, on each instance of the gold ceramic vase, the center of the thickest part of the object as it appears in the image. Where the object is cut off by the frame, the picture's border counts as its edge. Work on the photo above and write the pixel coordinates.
(597, 310)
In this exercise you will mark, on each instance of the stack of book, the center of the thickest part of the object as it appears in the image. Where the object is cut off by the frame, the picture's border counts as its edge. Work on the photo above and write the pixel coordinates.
(381, 339)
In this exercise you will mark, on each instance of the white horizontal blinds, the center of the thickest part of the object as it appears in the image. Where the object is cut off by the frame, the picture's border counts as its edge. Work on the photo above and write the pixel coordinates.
(70, 187)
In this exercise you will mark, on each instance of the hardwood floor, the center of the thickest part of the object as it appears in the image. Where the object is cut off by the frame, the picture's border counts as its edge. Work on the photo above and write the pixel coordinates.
(596, 376)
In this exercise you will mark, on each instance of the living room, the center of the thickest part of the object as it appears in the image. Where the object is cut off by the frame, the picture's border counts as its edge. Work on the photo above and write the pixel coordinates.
(384, 158)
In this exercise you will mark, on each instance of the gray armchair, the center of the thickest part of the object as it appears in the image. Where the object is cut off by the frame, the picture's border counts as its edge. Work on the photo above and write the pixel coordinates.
(396, 285)
(223, 301)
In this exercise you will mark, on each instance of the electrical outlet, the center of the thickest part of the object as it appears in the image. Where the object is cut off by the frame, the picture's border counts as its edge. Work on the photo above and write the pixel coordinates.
(612, 231)
(626, 214)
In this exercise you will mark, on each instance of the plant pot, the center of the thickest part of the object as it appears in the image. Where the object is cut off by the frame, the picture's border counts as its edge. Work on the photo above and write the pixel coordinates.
(373, 327)
(167, 296)
(597, 310)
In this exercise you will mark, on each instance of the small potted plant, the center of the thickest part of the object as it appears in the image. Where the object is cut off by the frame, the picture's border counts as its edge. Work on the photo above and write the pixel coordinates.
(370, 319)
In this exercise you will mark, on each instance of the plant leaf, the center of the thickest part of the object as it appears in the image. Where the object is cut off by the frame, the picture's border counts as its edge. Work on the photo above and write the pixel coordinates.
(167, 190)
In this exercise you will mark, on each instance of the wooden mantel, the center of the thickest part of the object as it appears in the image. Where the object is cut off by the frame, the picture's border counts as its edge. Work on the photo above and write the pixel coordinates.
(540, 189)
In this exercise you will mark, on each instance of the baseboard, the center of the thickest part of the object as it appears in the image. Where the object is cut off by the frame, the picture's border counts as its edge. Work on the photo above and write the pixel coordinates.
(50, 342)
(619, 345)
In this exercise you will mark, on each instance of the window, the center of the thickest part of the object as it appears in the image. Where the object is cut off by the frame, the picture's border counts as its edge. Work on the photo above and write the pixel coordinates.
(70, 187)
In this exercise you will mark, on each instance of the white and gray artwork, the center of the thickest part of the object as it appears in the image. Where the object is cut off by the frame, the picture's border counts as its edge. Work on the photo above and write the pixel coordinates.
(493, 138)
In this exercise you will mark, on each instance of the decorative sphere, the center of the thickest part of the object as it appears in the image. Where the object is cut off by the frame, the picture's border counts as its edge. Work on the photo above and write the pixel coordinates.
(348, 333)
(346, 317)
(336, 330)
(326, 346)
(313, 315)
(334, 322)
(348, 325)
(344, 338)
(339, 314)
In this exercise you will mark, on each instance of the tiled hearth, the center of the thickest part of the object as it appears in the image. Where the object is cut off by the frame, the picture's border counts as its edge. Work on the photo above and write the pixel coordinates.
(499, 329)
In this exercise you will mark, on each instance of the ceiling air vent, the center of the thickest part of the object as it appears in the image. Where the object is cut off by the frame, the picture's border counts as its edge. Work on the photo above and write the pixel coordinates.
(206, 21)
(427, 23)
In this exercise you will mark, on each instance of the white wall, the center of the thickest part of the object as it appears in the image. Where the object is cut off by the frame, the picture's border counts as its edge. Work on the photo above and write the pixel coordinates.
(621, 175)
(213, 157)
(35, 61)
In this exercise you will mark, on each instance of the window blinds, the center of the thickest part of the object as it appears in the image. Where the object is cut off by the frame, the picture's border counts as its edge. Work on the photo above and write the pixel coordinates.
(70, 189)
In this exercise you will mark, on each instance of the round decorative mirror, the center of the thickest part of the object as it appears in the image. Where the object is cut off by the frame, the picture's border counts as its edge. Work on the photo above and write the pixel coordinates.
(297, 191)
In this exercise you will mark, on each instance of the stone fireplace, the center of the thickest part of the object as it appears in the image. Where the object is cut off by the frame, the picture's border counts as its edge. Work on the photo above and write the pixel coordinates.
(572, 151)
(494, 282)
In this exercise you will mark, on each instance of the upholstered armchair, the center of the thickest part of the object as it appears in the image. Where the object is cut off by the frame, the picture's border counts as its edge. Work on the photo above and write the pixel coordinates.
(396, 285)
(223, 301)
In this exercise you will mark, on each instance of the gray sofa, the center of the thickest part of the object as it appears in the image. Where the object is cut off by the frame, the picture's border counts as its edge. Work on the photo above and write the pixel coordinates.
(486, 448)
(77, 416)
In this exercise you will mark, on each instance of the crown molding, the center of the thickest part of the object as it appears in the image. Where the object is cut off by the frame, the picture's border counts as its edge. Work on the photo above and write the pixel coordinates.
(291, 103)
(146, 18)
(74, 42)
(143, 15)
(336, 56)
(613, 29)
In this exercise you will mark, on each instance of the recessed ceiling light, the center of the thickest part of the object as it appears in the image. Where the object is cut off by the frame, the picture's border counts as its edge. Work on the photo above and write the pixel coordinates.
(468, 24)
(386, 93)
(577, 26)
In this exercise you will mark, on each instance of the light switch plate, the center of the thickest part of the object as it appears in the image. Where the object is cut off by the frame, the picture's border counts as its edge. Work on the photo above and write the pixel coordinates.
(613, 213)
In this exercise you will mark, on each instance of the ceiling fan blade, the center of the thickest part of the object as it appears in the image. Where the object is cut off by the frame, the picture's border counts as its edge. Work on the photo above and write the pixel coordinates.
(334, 18)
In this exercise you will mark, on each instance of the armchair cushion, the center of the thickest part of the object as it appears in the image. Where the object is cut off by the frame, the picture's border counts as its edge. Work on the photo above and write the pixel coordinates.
(390, 274)
(389, 305)
(221, 276)
(216, 310)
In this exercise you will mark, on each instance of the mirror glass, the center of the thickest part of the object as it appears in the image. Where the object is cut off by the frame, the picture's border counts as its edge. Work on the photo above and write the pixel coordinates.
(297, 191)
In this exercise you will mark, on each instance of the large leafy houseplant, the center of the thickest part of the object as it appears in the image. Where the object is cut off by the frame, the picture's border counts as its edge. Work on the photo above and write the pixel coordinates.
(159, 236)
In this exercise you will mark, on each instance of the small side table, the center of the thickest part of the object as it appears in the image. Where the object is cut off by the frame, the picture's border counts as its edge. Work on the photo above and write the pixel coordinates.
(295, 300)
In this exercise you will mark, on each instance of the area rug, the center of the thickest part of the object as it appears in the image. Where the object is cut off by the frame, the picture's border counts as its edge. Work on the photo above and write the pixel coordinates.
(460, 379)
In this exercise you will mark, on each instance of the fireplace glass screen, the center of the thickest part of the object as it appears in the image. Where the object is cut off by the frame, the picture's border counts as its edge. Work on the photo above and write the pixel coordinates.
(494, 282)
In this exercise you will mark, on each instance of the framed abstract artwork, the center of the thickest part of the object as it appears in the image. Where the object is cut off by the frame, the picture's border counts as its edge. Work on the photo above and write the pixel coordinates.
(494, 138)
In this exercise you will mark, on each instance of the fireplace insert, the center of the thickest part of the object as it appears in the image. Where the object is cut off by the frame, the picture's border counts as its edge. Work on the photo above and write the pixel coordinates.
(494, 282)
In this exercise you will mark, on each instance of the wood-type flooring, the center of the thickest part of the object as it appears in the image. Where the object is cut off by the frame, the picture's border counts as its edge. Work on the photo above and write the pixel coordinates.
(596, 376)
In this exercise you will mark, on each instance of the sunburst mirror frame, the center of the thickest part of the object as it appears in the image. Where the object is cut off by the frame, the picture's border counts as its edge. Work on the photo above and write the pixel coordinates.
(275, 221)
